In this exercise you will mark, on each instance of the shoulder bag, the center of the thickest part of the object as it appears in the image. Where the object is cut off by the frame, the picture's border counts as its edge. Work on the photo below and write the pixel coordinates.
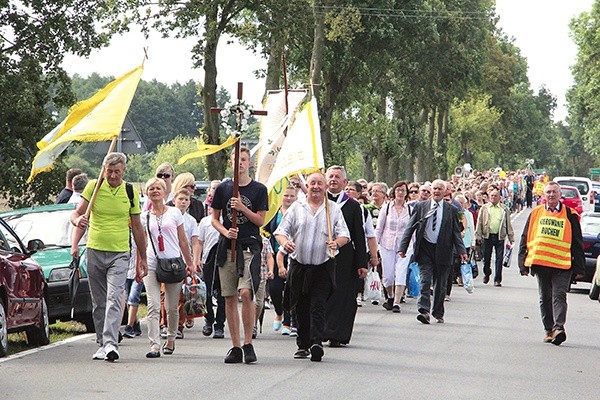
(168, 270)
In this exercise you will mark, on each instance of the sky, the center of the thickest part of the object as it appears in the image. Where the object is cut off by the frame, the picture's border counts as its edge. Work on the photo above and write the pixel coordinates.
(540, 29)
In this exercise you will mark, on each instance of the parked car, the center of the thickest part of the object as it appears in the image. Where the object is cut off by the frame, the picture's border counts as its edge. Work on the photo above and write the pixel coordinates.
(596, 189)
(51, 224)
(583, 185)
(569, 196)
(22, 290)
(590, 228)
(201, 190)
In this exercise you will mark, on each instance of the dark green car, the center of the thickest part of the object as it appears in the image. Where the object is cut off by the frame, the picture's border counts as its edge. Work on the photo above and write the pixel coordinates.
(51, 225)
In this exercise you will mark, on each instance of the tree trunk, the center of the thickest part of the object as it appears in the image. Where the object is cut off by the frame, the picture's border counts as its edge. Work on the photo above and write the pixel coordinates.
(369, 175)
(274, 64)
(442, 143)
(215, 163)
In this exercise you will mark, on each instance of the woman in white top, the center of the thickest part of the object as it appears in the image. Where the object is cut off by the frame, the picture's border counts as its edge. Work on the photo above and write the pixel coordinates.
(393, 220)
(166, 231)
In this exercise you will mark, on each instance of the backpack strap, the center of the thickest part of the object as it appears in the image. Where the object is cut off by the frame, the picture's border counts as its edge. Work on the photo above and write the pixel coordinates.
(129, 190)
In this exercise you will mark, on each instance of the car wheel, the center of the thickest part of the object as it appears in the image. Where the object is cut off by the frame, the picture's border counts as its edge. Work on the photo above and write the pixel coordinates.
(40, 336)
(3, 331)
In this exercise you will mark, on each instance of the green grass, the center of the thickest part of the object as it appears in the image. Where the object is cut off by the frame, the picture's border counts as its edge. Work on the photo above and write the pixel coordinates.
(17, 342)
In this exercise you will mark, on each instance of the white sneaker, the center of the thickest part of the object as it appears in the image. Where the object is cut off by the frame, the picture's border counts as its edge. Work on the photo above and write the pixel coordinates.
(267, 305)
(100, 354)
(359, 302)
(112, 353)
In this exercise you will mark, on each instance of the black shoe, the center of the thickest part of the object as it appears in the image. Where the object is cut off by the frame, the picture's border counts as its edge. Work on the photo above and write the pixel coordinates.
(137, 329)
(389, 304)
(128, 332)
(301, 353)
(249, 354)
(423, 318)
(120, 339)
(153, 354)
(219, 334)
(486, 279)
(207, 330)
(558, 336)
(234, 356)
(497, 284)
(316, 352)
(168, 350)
(396, 308)
(334, 343)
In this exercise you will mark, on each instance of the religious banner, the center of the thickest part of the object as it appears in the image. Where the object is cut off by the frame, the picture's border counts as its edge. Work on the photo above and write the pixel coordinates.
(301, 152)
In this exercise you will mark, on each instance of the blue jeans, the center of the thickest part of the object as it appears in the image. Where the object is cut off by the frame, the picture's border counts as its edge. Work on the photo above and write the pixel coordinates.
(497, 245)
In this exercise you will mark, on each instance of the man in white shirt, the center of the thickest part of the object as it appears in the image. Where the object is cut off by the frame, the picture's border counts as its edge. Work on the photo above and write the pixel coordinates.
(303, 233)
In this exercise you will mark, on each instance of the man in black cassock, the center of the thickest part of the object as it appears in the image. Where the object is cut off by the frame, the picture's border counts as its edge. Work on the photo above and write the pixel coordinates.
(350, 263)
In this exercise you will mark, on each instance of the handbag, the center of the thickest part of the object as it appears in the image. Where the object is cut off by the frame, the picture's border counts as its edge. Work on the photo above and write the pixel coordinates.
(168, 270)
(372, 290)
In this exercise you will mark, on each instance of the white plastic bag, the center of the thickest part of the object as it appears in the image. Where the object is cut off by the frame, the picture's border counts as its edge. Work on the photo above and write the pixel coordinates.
(194, 297)
(372, 289)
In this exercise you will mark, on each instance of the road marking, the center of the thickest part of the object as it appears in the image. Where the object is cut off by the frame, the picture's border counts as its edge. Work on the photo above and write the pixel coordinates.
(48, 347)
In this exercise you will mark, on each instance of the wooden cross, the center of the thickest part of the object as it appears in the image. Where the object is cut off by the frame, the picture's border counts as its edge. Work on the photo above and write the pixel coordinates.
(236, 161)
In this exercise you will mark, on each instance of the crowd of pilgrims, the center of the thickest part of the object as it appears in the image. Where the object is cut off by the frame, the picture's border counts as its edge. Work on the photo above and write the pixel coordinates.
(385, 212)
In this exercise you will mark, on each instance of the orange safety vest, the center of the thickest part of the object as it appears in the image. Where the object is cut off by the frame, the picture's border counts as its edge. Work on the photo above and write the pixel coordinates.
(549, 238)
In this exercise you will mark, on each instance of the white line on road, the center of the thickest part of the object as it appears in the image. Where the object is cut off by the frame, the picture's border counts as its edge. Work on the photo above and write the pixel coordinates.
(48, 347)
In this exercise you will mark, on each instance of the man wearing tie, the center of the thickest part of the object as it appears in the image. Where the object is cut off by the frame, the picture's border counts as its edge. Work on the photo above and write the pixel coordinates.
(437, 234)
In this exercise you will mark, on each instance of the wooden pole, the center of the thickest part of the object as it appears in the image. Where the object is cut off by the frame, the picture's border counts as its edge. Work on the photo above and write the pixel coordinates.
(236, 193)
(329, 233)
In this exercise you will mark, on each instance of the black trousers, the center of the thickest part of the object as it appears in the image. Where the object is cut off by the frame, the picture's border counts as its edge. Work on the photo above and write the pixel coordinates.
(213, 288)
(432, 274)
(493, 243)
(312, 286)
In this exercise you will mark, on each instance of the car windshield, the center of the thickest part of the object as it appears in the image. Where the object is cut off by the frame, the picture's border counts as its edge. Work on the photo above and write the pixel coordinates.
(590, 225)
(582, 186)
(569, 193)
(51, 227)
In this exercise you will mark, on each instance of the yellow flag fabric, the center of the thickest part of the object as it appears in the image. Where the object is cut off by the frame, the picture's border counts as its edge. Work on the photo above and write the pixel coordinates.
(207, 149)
(96, 119)
(301, 152)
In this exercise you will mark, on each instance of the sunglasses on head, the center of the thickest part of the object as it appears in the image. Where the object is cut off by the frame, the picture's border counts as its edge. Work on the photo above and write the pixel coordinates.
(163, 176)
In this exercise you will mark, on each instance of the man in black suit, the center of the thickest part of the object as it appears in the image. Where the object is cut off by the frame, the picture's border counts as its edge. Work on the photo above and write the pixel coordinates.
(438, 234)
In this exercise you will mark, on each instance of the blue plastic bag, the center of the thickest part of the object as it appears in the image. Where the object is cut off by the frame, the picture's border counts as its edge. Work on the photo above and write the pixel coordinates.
(414, 280)
(467, 276)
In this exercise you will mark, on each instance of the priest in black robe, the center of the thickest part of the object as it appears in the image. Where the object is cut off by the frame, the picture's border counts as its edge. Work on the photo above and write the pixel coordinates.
(350, 263)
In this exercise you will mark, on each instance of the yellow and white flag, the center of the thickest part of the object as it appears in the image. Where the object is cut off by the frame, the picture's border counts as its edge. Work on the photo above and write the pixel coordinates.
(301, 152)
(96, 119)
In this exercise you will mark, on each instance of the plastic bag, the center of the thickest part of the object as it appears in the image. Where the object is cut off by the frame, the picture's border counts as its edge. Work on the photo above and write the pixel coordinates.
(507, 253)
(414, 280)
(194, 297)
(372, 289)
(467, 276)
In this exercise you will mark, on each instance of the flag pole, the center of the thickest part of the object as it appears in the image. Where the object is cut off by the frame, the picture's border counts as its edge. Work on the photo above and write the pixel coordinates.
(100, 178)
(329, 233)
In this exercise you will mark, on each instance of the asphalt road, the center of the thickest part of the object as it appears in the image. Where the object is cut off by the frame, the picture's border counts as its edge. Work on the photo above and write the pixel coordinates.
(489, 348)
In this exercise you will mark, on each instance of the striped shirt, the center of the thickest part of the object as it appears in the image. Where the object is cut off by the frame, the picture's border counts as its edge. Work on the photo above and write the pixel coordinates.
(309, 232)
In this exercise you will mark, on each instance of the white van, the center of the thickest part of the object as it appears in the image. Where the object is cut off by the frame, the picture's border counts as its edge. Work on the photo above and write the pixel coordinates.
(584, 185)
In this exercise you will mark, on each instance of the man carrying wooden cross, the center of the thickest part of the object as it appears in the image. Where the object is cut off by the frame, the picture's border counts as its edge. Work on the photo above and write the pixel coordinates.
(243, 274)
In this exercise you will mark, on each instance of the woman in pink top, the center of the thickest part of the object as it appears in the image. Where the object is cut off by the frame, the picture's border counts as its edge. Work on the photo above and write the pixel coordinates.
(393, 220)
